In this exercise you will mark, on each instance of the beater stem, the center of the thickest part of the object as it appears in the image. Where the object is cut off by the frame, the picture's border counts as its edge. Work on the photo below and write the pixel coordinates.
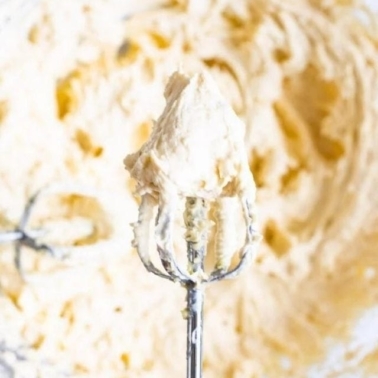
(196, 235)
(195, 299)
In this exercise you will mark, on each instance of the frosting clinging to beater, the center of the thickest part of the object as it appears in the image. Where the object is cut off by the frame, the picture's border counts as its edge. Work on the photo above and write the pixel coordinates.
(196, 148)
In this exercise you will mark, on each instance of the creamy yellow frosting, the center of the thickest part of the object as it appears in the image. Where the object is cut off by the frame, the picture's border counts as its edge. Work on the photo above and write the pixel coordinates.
(79, 90)
(196, 148)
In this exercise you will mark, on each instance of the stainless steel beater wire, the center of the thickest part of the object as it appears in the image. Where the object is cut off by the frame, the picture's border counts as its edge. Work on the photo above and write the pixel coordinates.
(10, 236)
(195, 299)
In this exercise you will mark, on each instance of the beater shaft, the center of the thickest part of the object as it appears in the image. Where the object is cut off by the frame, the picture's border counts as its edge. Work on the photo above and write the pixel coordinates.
(195, 298)
(196, 235)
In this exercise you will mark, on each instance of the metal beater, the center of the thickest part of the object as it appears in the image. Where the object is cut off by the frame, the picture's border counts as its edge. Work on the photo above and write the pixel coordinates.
(24, 238)
(193, 278)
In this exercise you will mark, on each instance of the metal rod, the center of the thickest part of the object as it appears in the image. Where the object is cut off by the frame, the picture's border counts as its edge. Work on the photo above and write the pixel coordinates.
(20, 235)
(10, 236)
(196, 250)
(195, 299)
